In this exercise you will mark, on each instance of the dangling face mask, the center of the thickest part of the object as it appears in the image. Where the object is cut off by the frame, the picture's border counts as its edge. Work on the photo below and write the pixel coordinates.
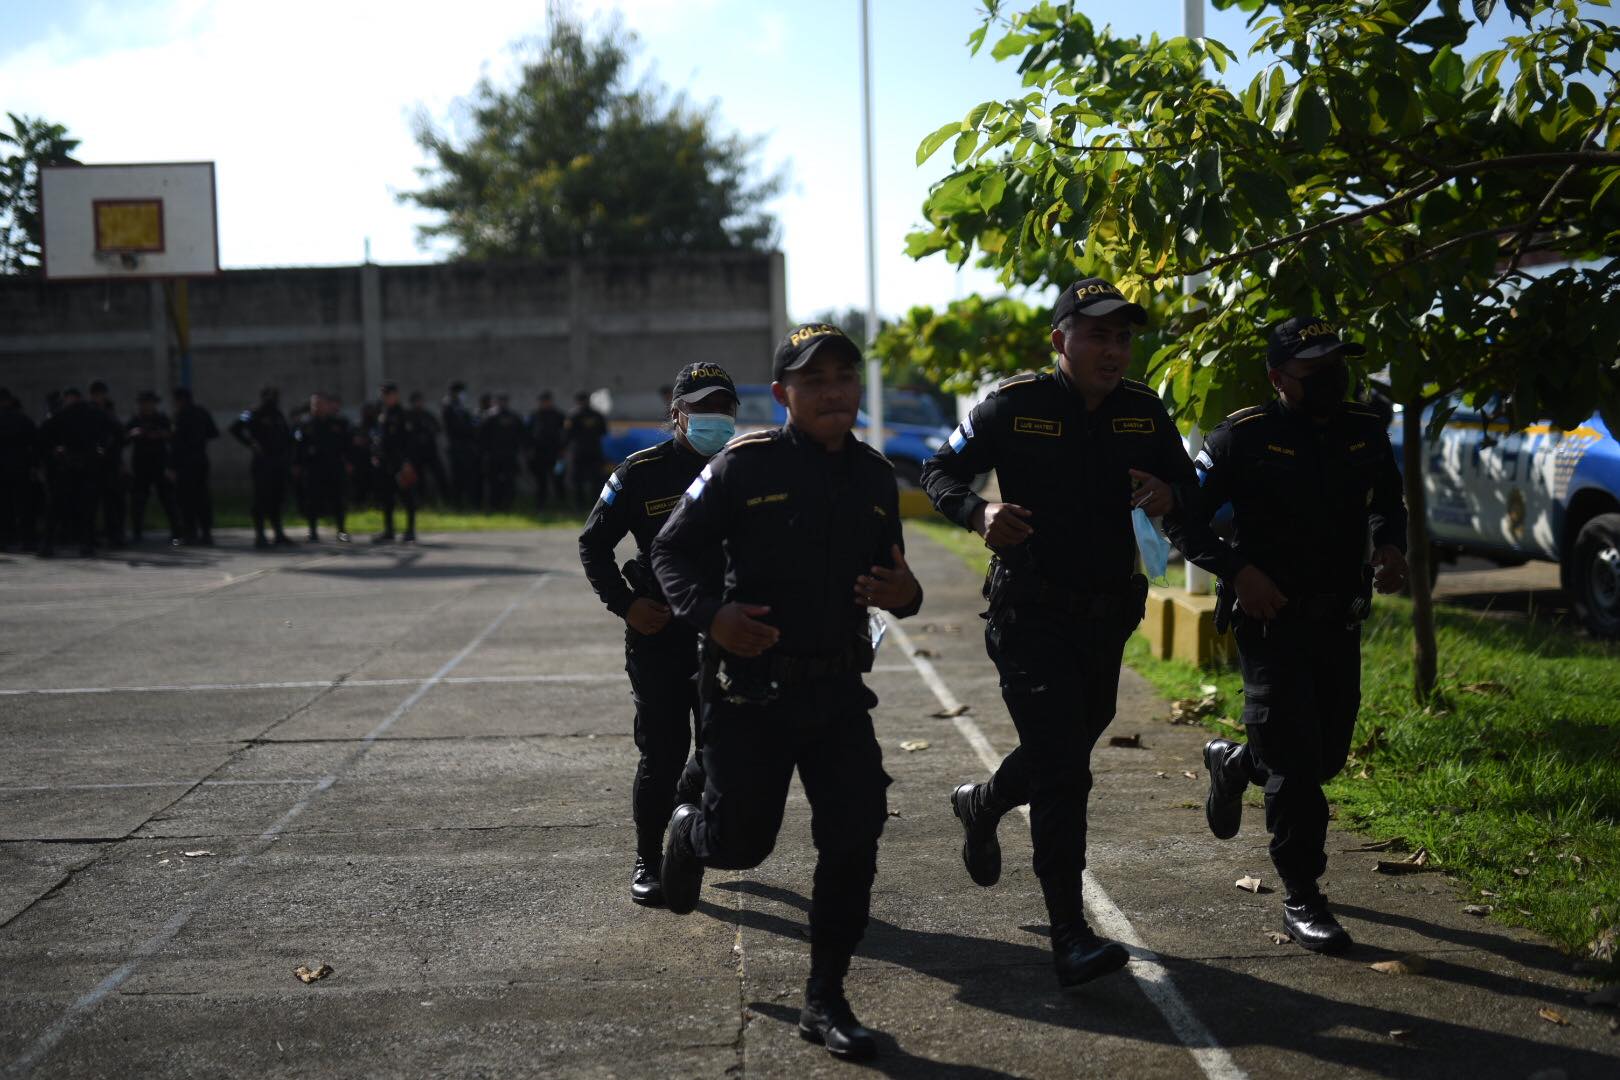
(708, 432)
(1322, 390)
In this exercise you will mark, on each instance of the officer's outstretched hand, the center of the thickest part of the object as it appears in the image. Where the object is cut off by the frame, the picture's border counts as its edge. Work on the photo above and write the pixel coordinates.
(887, 588)
(647, 616)
(1258, 595)
(1003, 524)
(1390, 571)
(1150, 494)
(737, 631)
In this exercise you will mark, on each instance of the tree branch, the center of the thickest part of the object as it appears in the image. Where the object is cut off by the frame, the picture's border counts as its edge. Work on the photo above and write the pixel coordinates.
(1573, 159)
(1455, 242)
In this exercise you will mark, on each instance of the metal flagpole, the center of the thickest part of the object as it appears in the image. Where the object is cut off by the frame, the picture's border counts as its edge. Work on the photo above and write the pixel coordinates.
(1192, 25)
(874, 369)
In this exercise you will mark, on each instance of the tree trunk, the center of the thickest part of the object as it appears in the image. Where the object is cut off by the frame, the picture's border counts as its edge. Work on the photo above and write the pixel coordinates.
(1418, 553)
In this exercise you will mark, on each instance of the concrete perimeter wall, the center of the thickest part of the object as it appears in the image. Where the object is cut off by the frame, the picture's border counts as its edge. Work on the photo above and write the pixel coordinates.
(621, 325)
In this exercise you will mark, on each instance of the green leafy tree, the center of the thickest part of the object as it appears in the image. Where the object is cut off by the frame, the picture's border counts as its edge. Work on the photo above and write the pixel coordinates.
(1369, 173)
(30, 143)
(576, 160)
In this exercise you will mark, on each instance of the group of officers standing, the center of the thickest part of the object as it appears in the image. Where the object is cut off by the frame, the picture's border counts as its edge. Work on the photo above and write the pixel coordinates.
(751, 611)
(84, 476)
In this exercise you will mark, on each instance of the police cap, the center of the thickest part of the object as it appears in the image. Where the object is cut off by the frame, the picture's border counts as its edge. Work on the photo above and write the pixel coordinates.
(807, 340)
(1306, 337)
(1094, 297)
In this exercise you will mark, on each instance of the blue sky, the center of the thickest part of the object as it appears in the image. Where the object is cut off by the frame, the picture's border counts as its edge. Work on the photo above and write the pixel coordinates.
(306, 106)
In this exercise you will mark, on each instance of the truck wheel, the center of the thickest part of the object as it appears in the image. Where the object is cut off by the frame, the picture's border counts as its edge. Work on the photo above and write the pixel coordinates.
(1594, 575)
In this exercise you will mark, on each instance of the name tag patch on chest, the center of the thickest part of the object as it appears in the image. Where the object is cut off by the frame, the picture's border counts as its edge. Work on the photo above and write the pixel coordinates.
(1133, 425)
(1285, 450)
(1035, 425)
(761, 500)
(655, 507)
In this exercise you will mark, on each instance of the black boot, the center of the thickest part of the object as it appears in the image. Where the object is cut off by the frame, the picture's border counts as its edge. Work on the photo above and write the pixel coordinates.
(1078, 954)
(645, 888)
(1223, 806)
(689, 789)
(979, 814)
(827, 1019)
(681, 873)
(1308, 921)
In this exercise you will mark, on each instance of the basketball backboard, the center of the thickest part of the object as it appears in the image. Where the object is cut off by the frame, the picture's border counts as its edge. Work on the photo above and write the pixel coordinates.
(129, 221)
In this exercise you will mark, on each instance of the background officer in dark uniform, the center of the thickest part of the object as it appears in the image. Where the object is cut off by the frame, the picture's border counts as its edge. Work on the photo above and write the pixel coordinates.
(500, 442)
(425, 429)
(391, 456)
(149, 434)
(110, 495)
(1075, 448)
(188, 453)
(73, 441)
(545, 432)
(265, 431)
(322, 461)
(660, 654)
(18, 455)
(461, 438)
(808, 519)
(583, 432)
(1319, 521)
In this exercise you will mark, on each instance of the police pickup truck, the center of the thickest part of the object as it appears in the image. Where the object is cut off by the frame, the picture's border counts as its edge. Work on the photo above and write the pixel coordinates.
(1536, 493)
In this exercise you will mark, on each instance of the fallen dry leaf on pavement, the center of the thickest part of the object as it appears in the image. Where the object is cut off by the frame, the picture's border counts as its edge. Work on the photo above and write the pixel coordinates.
(1477, 909)
(1404, 965)
(196, 854)
(1519, 871)
(949, 714)
(1250, 884)
(1602, 946)
(307, 975)
(1189, 774)
(924, 653)
(911, 746)
(1412, 864)
(1192, 710)
(1278, 937)
(1133, 742)
(1382, 845)
(1400, 1034)
(1162, 775)
(1552, 1016)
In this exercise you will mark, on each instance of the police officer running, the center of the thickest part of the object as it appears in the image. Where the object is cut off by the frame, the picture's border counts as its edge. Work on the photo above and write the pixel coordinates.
(1076, 448)
(660, 653)
(1319, 522)
(322, 463)
(808, 520)
(265, 431)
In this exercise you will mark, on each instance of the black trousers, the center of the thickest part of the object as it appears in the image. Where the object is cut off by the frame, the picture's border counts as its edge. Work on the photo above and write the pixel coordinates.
(1060, 681)
(1301, 691)
(75, 494)
(585, 477)
(17, 513)
(323, 497)
(111, 503)
(503, 473)
(142, 483)
(662, 669)
(393, 492)
(194, 501)
(824, 729)
(269, 493)
(546, 480)
(465, 476)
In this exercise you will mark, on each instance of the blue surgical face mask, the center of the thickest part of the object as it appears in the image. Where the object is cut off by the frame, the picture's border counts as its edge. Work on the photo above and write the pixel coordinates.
(708, 432)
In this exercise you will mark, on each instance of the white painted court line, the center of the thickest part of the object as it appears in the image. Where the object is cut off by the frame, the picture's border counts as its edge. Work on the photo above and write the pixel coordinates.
(324, 684)
(54, 1034)
(155, 784)
(1146, 968)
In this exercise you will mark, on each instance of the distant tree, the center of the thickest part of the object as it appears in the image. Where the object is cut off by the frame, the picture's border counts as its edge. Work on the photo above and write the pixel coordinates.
(577, 160)
(30, 143)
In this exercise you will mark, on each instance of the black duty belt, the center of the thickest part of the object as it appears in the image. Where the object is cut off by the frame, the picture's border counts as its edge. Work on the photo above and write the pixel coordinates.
(795, 669)
(1026, 587)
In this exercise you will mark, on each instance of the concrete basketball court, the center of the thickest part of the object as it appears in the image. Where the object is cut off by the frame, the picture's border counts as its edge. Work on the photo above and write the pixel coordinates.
(413, 764)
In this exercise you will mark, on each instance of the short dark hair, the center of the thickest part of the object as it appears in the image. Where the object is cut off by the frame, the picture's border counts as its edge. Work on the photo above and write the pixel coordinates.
(98, 387)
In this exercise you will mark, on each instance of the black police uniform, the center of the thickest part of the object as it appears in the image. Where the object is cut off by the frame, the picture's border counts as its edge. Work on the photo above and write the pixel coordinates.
(461, 437)
(188, 451)
(1304, 498)
(583, 431)
(149, 465)
(74, 442)
(424, 455)
(18, 455)
(110, 496)
(391, 443)
(1062, 604)
(322, 456)
(500, 440)
(265, 431)
(545, 432)
(797, 525)
(638, 499)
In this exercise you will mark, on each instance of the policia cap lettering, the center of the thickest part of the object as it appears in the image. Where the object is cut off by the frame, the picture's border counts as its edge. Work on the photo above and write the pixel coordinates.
(1094, 297)
(806, 340)
(1306, 337)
